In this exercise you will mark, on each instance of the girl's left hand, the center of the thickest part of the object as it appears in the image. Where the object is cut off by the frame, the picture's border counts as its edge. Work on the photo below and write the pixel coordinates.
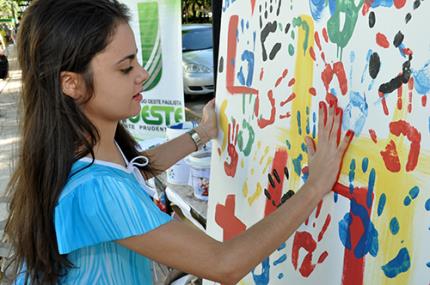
(325, 160)
(208, 124)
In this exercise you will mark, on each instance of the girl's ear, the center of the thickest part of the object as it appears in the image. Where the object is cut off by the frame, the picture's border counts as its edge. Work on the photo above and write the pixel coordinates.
(72, 85)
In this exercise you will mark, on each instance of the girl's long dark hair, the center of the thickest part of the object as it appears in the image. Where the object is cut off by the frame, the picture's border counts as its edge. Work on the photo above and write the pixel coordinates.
(54, 36)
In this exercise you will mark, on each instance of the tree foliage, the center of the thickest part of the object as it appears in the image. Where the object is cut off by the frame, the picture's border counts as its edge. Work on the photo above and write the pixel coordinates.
(7, 8)
(196, 11)
(11, 8)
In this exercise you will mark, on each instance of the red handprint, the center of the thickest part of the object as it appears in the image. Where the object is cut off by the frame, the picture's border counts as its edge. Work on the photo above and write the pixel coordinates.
(390, 155)
(306, 241)
(263, 122)
(399, 104)
(330, 70)
(230, 168)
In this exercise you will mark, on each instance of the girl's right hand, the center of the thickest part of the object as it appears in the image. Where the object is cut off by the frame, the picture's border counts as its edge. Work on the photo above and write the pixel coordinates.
(325, 159)
(208, 125)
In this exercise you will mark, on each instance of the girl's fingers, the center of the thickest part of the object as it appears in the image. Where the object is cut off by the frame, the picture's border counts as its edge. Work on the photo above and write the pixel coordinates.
(330, 118)
(210, 104)
(322, 119)
(310, 144)
(339, 133)
(345, 142)
(324, 112)
(337, 125)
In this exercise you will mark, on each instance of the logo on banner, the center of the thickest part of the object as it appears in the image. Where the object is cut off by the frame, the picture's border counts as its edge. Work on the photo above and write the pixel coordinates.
(151, 42)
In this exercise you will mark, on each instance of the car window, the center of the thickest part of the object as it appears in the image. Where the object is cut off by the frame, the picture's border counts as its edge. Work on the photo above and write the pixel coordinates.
(196, 39)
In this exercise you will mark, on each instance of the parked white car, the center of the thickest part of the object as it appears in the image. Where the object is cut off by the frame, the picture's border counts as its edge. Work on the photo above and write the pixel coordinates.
(197, 59)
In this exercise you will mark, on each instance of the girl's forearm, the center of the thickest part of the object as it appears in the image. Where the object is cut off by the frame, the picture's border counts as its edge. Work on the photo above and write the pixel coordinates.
(166, 155)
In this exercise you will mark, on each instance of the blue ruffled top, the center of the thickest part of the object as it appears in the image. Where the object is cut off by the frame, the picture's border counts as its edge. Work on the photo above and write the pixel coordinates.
(102, 203)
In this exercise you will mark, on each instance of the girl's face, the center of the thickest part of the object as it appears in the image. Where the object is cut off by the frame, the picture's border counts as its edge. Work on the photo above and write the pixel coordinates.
(117, 78)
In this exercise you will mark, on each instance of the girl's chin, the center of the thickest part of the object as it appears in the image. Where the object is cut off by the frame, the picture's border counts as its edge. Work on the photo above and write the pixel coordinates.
(135, 112)
(131, 115)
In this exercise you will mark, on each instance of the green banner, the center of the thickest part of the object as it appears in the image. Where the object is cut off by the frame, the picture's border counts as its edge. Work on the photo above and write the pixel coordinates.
(157, 28)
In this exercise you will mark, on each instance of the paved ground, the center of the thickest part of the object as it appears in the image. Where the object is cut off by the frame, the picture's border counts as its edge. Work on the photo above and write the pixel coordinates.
(9, 137)
(9, 90)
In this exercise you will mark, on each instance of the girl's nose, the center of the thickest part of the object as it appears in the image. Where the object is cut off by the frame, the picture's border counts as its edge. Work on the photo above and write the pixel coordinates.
(143, 76)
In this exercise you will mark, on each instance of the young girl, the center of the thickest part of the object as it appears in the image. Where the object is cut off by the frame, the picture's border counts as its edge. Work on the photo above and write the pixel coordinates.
(79, 213)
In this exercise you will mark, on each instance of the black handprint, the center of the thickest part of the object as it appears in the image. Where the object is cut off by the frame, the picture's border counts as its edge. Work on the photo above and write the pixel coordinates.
(272, 182)
(270, 27)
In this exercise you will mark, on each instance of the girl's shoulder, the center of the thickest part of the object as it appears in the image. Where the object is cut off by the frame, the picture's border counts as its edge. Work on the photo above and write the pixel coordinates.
(89, 174)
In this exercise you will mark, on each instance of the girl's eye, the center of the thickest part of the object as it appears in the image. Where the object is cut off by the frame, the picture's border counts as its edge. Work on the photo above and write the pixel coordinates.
(127, 70)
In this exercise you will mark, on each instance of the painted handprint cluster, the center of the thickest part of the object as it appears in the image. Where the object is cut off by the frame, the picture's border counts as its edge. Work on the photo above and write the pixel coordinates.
(278, 60)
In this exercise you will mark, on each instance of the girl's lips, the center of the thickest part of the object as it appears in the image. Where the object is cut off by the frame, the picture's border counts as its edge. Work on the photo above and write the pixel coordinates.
(137, 97)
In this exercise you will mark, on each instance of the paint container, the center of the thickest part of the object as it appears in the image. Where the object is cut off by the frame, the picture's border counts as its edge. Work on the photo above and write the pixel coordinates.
(200, 163)
(179, 173)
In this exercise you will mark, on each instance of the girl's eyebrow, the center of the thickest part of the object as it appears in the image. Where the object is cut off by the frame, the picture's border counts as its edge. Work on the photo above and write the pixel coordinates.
(128, 57)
